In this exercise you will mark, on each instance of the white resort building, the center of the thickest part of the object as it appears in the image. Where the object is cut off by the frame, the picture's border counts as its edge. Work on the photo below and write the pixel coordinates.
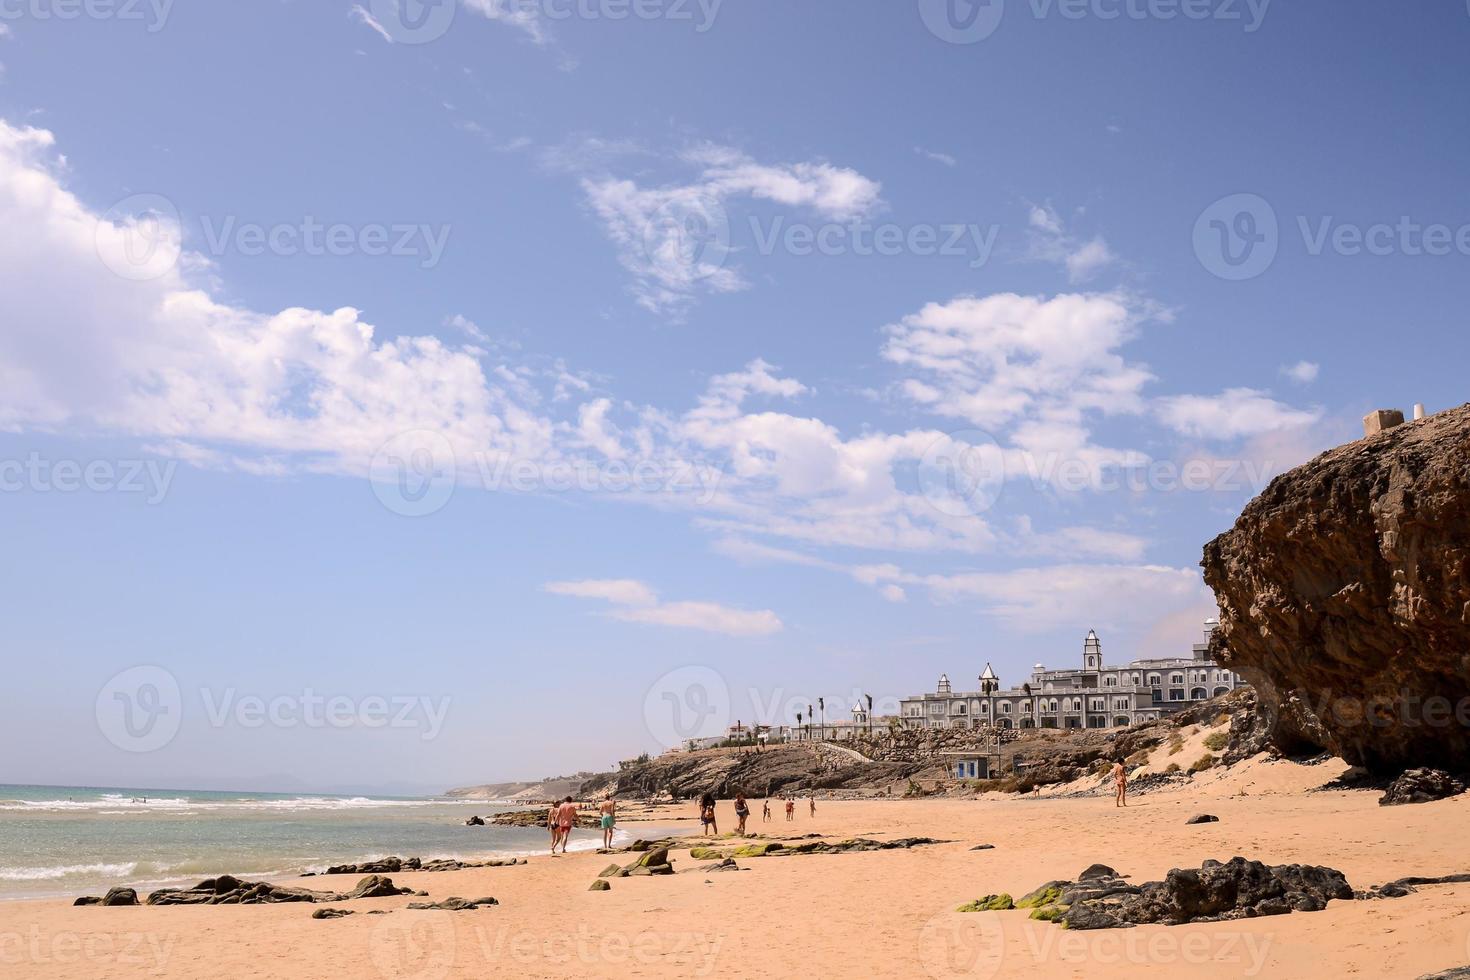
(1095, 696)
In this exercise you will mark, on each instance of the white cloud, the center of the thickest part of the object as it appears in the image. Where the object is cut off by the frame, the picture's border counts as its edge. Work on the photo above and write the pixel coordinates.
(468, 327)
(675, 239)
(361, 14)
(526, 17)
(937, 157)
(1037, 599)
(1302, 372)
(623, 592)
(1234, 413)
(162, 360)
(638, 603)
(1051, 242)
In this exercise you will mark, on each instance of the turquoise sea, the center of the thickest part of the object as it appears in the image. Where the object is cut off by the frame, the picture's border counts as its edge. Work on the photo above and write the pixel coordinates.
(76, 840)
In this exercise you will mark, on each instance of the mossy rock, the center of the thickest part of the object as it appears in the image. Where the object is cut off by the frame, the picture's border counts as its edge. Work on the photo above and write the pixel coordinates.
(1050, 913)
(707, 854)
(611, 871)
(657, 856)
(756, 850)
(990, 903)
(600, 886)
(1048, 894)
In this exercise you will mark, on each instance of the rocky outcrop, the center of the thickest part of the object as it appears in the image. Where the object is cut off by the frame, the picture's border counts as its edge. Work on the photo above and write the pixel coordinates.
(1421, 786)
(454, 905)
(1344, 594)
(115, 897)
(394, 865)
(1101, 899)
(229, 890)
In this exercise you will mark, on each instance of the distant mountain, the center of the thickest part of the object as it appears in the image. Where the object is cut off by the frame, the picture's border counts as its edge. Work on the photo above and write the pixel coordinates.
(550, 788)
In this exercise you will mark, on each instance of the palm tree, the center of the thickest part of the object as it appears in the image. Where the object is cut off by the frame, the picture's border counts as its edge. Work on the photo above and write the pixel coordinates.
(870, 714)
(822, 703)
(798, 724)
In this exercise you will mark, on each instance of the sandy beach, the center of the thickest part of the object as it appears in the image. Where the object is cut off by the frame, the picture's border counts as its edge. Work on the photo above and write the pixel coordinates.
(885, 913)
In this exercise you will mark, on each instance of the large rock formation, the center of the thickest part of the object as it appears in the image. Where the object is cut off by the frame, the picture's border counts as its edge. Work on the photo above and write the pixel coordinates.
(1344, 594)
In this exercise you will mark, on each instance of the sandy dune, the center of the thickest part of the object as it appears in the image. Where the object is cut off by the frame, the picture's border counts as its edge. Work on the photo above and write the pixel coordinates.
(872, 914)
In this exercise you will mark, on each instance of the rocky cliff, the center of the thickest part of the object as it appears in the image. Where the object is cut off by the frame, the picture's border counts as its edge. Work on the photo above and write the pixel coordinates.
(1344, 597)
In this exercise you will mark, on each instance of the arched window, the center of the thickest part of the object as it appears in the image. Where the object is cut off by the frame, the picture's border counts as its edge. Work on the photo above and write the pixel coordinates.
(1221, 690)
(1176, 679)
(1120, 722)
(1198, 694)
(1153, 680)
(1110, 682)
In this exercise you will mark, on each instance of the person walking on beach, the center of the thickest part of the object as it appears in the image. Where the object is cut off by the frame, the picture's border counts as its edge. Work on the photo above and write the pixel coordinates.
(566, 819)
(790, 810)
(1120, 785)
(812, 802)
(765, 811)
(742, 812)
(609, 821)
(707, 819)
(553, 821)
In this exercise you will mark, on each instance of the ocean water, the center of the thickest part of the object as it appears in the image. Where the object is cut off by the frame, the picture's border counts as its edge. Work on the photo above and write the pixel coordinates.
(70, 841)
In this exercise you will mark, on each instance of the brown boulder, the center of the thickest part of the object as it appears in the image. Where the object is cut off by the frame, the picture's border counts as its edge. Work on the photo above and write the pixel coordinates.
(1344, 593)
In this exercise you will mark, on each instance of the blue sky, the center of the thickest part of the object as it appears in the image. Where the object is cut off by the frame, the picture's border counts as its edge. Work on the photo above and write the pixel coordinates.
(796, 344)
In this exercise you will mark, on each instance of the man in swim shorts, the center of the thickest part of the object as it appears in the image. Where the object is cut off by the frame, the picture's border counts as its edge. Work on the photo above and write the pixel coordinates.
(609, 810)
